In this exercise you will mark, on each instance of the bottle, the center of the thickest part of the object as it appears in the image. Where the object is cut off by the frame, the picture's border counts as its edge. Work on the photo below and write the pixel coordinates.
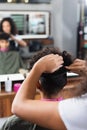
(0, 86)
(8, 85)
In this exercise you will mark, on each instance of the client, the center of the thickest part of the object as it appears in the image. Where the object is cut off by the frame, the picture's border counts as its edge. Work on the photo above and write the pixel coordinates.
(10, 61)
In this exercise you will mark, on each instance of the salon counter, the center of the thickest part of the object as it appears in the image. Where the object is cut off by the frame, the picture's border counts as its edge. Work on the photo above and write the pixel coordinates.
(6, 98)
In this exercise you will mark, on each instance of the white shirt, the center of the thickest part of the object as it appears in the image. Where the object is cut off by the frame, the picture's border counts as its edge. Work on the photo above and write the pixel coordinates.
(73, 112)
(18, 38)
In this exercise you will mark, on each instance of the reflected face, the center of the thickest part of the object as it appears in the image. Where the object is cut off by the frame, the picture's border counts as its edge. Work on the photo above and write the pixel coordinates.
(6, 27)
(4, 44)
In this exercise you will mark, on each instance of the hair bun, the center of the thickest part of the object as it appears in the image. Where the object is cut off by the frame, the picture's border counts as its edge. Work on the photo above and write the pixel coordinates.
(67, 58)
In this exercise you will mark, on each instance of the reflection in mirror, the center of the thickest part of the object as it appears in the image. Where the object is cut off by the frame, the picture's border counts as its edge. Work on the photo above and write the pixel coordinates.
(10, 61)
(30, 24)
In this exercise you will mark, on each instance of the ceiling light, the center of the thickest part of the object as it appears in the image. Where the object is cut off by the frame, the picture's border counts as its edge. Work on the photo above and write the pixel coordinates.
(9, 1)
(86, 2)
(26, 1)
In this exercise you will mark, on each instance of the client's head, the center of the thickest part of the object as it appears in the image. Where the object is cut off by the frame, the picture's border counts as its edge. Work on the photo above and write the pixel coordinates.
(4, 43)
(52, 83)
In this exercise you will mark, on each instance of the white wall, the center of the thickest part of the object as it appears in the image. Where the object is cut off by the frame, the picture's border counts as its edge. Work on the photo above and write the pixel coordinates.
(70, 25)
(57, 8)
(65, 24)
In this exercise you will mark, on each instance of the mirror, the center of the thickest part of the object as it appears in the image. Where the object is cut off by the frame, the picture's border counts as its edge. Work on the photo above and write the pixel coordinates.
(31, 24)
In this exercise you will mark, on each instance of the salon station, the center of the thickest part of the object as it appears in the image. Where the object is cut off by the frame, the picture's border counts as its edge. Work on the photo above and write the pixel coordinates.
(38, 24)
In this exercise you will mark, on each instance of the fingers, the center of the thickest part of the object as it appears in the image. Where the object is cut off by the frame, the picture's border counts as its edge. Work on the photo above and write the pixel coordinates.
(59, 59)
(75, 67)
(52, 62)
(78, 66)
(58, 62)
(78, 63)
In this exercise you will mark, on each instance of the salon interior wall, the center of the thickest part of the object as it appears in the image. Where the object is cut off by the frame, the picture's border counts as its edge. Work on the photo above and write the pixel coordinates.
(65, 14)
(63, 20)
(70, 8)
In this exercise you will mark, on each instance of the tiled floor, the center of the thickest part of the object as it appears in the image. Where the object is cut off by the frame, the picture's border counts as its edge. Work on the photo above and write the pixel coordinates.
(2, 120)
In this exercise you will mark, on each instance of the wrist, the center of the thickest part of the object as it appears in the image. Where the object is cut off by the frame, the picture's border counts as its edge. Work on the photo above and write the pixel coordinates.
(38, 68)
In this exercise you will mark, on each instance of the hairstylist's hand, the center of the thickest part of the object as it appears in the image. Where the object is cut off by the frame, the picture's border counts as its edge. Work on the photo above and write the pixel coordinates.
(50, 63)
(78, 66)
(12, 37)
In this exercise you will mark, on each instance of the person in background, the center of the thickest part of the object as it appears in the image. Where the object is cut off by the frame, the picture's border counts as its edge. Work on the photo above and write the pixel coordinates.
(7, 25)
(10, 61)
(4, 42)
(59, 115)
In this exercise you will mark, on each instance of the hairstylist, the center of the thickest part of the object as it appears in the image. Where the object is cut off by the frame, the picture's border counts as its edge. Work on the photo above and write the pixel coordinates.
(7, 25)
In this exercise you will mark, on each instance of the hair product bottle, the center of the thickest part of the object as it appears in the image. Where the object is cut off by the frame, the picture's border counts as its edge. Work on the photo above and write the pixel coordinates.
(8, 85)
(0, 86)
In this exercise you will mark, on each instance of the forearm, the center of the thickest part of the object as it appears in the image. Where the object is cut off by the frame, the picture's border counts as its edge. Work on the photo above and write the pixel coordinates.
(21, 42)
(28, 87)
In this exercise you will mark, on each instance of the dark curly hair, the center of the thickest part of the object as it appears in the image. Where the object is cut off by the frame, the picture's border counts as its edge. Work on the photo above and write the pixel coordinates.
(12, 24)
(4, 36)
(52, 83)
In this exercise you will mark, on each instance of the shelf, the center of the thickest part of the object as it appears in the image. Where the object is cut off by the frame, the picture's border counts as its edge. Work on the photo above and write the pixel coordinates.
(4, 94)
